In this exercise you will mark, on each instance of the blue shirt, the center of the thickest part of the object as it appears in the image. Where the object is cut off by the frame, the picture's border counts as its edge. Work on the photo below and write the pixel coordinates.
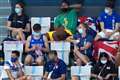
(82, 43)
(58, 68)
(109, 20)
(39, 42)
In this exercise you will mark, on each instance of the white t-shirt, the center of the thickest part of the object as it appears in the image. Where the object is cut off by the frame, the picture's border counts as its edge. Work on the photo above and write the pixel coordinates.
(14, 69)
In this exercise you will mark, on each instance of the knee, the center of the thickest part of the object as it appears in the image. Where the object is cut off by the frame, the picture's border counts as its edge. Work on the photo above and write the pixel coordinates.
(39, 61)
(28, 60)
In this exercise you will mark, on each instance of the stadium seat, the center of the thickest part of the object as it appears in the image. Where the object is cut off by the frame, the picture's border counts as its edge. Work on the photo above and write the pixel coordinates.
(63, 50)
(36, 72)
(83, 72)
(9, 46)
(44, 21)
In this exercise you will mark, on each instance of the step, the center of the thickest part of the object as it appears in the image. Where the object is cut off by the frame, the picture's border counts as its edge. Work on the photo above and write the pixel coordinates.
(5, 10)
(3, 20)
(7, 1)
(3, 33)
(5, 4)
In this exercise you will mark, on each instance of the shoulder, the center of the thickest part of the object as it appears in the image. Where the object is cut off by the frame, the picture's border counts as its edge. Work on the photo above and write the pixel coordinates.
(29, 38)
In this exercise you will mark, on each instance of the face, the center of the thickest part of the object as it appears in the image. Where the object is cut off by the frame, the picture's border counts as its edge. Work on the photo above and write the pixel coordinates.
(103, 60)
(18, 9)
(81, 29)
(64, 7)
(36, 33)
(108, 10)
(14, 58)
(51, 57)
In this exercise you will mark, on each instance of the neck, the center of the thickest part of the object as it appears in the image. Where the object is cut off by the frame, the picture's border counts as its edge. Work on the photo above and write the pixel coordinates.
(19, 14)
(84, 34)
(110, 13)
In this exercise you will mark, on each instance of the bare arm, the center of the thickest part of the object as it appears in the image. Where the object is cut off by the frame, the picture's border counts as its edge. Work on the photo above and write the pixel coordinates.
(27, 49)
(9, 74)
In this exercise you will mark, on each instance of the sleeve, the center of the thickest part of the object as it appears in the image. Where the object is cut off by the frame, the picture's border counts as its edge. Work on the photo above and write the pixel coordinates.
(114, 69)
(57, 23)
(47, 67)
(10, 18)
(75, 36)
(27, 19)
(117, 18)
(90, 39)
(7, 65)
(63, 68)
(94, 69)
(101, 17)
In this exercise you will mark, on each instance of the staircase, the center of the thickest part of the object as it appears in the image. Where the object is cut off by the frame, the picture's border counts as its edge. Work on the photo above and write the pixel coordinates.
(5, 10)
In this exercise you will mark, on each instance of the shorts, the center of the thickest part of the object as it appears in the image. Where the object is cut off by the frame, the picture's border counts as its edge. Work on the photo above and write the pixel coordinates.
(35, 56)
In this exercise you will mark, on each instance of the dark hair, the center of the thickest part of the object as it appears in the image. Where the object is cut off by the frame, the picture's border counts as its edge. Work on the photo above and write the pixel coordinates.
(65, 1)
(110, 5)
(17, 53)
(21, 4)
(85, 25)
(53, 52)
(103, 54)
(36, 27)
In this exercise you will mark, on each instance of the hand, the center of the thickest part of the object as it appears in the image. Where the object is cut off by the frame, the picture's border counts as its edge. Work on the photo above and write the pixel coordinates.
(100, 78)
(108, 34)
(33, 48)
(76, 41)
(107, 77)
(82, 48)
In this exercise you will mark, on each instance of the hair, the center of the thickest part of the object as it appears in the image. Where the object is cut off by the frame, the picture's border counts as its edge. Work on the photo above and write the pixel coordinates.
(110, 4)
(85, 25)
(103, 54)
(53, 52)
(65, 1)
(17, 53)
(22, 5)
(36, 27)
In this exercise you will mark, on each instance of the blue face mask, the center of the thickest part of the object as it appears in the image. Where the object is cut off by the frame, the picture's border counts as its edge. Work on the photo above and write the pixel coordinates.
(14, 59)
(80, 31)
(18, 10)
(36, 33)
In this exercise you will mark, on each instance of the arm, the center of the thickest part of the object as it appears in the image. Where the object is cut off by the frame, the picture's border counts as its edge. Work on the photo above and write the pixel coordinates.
(9, 26)
(62, 77)
(45, 76)
(88, 45)
(27, 29)
(9, 74)
(27, 49)
(46, 49)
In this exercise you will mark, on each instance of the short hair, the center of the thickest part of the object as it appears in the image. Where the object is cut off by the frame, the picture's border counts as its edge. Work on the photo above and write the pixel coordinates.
(17, 53)
(85, 25)
(110, 5)
(21, 4)
(36, 27)
(65, 1)
(104, 54)
(53, 52)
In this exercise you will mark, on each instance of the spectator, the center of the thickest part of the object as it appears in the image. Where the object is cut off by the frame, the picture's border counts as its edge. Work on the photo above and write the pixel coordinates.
(58, 35)
(109, 21)
(36, 45)
(104, 69)
(83, 44)
(18, 23)
(55, 68)
(67, 18)
(14, 68)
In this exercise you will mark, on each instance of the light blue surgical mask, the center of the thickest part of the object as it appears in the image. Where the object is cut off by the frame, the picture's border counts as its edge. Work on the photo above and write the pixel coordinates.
(80, 31)
(18, 10)
(36, 33)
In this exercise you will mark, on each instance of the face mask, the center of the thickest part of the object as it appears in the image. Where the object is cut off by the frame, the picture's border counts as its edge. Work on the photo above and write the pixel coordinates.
(18, 10)
(64, 9)
(103, 61)
(36, 33)
(107, 11)
(14, 59)
(80, 31)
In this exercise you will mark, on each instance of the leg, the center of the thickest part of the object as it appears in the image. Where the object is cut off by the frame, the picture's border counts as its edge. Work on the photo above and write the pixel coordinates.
(28, 60)
(75, 78)
(21, 36)
(39, 61)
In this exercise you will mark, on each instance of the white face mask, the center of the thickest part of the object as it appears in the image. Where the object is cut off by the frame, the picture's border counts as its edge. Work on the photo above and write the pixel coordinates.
(80, 31)
(18, 10)
(36, 33)
(103, 61)
(107, 11)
